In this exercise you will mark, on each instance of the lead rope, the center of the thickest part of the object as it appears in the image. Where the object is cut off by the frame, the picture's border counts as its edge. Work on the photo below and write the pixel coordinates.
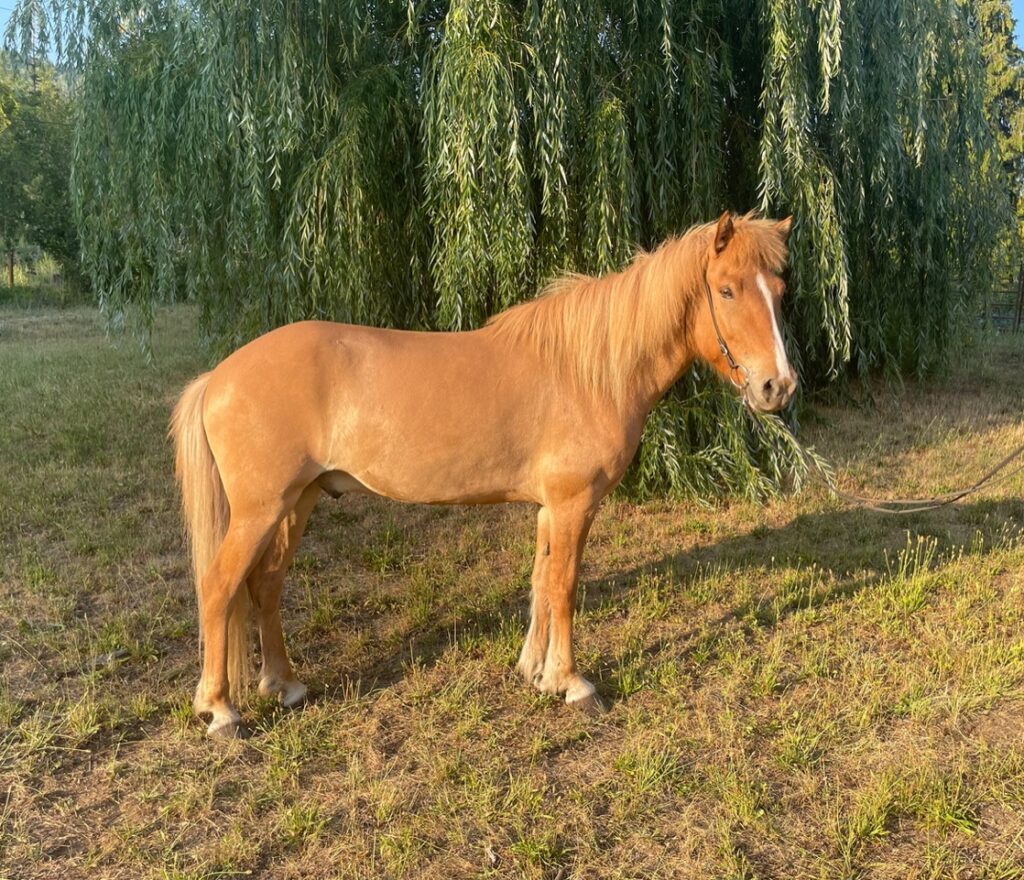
(895, 506)
(898, 506)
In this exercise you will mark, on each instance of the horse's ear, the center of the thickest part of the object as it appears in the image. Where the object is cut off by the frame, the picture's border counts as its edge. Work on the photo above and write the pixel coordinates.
(783, 227)
(724, 232)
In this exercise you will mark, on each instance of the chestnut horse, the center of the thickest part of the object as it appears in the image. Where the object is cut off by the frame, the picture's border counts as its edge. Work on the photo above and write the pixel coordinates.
(544, 404)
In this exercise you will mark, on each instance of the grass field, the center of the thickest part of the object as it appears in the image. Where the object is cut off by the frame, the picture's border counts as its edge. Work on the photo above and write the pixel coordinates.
(797, 690)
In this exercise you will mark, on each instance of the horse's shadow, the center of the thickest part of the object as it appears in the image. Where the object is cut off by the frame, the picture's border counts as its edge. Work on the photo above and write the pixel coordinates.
(856, 548)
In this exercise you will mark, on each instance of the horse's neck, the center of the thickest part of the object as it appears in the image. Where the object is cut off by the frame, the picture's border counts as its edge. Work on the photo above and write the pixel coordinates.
(666, 366)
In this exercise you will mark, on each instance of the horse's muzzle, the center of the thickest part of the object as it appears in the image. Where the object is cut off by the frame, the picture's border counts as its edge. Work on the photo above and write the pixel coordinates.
(773, 393)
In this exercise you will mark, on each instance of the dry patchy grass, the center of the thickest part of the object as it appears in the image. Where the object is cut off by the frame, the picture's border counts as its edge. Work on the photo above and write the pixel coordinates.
(797, 690)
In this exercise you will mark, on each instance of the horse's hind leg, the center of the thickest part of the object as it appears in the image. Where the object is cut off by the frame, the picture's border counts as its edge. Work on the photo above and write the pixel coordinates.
(243, 544)
(265, 585)
(535, 648)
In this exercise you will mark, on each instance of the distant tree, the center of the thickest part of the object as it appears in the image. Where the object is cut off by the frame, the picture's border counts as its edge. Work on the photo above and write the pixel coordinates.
(35, 162)
(1004, 106)
(7, 103)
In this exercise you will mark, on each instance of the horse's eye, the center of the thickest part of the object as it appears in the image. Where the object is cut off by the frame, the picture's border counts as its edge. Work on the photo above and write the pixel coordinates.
(726, 293)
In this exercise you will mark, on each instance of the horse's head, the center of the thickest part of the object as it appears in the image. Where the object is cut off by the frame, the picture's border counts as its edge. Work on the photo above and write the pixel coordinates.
(737, 326)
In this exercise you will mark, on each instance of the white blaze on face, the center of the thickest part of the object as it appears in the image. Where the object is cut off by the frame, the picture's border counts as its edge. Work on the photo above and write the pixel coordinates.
(781, 361)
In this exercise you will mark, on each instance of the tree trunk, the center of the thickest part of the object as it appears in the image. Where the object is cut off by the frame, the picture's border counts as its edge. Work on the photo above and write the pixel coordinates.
(10, 268)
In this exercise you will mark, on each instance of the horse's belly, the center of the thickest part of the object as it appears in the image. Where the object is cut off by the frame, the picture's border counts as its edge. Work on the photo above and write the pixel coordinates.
(423, 490)
(435, 439)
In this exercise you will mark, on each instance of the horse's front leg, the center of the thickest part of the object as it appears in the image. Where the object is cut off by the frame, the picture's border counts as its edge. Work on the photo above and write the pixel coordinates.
(568, 531)
(535, 648)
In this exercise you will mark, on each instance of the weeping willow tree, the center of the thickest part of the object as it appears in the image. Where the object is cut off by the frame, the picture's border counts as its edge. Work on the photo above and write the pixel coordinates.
(425, 163)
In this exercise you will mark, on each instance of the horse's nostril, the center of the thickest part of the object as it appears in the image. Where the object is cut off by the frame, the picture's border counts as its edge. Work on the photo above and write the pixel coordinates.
(768, 389)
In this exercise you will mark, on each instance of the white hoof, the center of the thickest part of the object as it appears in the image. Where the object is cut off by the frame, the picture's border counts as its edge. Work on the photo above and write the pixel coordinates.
(582, 695)
(226, 725)
(293, 695)
(290, 693)
(581, 689)
(225, 722)
(227, 730)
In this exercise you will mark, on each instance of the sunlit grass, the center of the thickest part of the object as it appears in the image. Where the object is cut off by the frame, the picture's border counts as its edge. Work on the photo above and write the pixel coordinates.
(797, 690)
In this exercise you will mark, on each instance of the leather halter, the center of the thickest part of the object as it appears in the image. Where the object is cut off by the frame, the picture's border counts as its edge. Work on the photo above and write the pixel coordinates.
(734, 367)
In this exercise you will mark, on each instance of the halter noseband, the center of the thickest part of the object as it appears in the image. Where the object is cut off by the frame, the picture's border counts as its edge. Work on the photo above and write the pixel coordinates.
(724, 347)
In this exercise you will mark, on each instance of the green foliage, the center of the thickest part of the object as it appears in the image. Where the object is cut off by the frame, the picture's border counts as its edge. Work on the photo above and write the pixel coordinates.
(35, 161)
(1004, 106)
(426, 163)
(477, 188)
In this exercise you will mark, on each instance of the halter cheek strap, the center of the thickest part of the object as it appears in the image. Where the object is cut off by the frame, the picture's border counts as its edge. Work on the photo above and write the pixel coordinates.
(724, 347)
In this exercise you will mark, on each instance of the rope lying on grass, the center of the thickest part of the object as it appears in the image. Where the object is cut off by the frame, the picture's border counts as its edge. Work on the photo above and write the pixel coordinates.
(819, 469)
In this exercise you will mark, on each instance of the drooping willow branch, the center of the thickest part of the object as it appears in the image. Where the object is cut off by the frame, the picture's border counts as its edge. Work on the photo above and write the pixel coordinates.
(425, 163)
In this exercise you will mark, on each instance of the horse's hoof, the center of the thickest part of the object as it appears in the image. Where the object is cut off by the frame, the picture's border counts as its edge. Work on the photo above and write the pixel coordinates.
(290, 693)
(294, 696)
(228, 730)
(590, 704)
(583, 696)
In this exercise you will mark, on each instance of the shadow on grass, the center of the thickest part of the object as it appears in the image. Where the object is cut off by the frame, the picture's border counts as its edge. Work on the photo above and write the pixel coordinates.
(854, 547)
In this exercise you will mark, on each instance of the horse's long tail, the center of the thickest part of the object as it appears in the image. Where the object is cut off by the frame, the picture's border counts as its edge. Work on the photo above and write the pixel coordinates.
(204, 508)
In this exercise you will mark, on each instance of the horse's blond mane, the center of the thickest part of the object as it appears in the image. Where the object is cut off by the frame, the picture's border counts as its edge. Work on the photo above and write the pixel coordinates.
(608, 332)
